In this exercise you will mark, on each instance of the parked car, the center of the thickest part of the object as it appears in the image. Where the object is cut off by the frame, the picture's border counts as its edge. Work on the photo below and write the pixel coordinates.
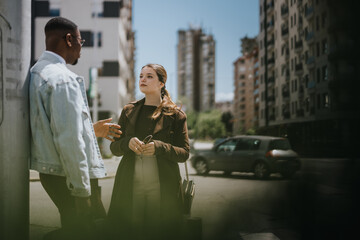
(261, 155)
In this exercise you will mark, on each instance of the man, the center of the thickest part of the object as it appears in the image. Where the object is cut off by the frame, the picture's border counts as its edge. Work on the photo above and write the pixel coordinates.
(64, 149)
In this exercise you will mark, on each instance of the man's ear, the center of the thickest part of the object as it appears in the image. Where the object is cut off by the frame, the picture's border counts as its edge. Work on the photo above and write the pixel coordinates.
(68, 39)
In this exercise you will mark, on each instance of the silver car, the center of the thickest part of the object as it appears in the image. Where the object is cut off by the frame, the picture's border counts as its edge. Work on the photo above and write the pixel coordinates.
(261, 155)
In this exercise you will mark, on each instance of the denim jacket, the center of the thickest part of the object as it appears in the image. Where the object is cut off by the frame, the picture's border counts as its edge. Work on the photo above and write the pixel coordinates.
(63, 139)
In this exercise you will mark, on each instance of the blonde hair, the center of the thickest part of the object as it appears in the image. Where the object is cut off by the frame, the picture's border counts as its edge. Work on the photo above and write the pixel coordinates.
(167, 106)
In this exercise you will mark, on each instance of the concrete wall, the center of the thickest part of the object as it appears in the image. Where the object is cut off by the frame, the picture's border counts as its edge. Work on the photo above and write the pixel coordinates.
(15, 35)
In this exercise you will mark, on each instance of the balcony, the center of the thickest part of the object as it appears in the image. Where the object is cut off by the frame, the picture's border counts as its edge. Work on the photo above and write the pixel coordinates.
(299, 70)
(310, 62)
(270, 26)
(287, 53)
(287, 75)
(271, 62)
(299, 3)
(270, 44)
(298, 46)
(285, 32)
(300, 112)
(310, 37)
(309, 13)
(300, 22)
(285, 92)
(271, 99)
(271, 81)
(270, 7)
(311, 84)
(286, 113)
(284, 11)
(272, 117)
(301, 92)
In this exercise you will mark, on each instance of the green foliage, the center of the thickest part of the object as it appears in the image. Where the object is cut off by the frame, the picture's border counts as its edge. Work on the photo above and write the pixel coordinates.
(209, 125)
(251, 131)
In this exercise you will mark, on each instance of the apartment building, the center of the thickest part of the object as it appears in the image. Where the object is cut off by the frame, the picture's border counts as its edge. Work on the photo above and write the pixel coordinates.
(196, 69)
(107, 55)
(307, 71)
(246, 81)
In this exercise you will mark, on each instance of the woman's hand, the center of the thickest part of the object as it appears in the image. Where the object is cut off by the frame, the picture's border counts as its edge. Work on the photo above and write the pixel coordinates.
(136, 145)
(148, 149)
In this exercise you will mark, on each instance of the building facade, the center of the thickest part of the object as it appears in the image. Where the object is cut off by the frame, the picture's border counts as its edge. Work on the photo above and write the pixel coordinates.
(196, 69)
(307, 70)
(108, 51)
(246, 81)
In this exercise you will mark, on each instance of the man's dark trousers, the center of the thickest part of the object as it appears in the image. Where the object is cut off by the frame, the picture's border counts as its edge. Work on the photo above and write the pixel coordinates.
(74, 226)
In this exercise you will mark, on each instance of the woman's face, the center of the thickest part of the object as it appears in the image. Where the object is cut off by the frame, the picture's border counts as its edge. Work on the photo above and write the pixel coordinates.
(149, 82)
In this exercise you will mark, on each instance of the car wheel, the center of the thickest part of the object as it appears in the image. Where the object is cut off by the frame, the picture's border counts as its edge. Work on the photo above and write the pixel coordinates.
(201, 167)
(261, 170)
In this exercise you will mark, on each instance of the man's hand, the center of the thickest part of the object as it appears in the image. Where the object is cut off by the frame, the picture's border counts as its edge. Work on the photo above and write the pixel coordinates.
(105, 129)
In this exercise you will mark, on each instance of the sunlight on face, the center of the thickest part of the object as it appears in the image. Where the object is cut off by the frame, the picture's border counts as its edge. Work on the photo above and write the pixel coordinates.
(149, 82)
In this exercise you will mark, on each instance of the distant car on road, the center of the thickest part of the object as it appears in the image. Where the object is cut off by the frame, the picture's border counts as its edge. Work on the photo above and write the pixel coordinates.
(261, 155)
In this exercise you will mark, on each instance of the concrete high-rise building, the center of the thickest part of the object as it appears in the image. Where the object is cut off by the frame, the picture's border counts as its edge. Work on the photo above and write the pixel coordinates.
(246, 95)
(196, 69)
(106, 27)
(308, 66)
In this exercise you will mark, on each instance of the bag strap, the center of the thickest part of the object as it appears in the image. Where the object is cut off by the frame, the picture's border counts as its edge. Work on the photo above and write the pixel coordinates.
(186, 170)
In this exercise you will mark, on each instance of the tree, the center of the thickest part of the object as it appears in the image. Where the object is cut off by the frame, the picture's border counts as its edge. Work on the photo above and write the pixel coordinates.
(227, 119)
(209, 125)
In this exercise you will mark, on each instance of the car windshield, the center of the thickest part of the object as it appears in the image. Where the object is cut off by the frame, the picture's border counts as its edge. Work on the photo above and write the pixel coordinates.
(279, 144)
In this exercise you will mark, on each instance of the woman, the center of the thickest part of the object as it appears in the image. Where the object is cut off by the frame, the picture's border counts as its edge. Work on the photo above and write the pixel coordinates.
(145, 203)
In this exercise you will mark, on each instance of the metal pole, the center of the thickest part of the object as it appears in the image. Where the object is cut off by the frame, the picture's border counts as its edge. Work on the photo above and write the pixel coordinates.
(15, 51)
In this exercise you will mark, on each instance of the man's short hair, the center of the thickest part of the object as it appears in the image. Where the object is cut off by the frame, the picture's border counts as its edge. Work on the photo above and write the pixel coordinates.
(60, 24)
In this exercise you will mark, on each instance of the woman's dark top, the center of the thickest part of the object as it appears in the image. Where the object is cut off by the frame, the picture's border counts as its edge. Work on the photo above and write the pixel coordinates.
(144, 123)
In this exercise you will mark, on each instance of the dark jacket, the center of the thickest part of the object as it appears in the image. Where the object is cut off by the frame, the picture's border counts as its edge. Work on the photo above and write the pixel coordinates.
(171, 141)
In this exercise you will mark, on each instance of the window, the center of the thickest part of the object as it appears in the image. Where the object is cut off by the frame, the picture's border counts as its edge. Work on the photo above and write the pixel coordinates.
(295, 85)
(99, 40)
(318, 76)
(89, 38)
(227, 146)
(317, 49)
(247, 144)
(317, 23)
(281, 144)
(112, 9)
(324, 73)
(324, 47)
(326, 100)
(323, 19)
(110, 68)
(318, 101)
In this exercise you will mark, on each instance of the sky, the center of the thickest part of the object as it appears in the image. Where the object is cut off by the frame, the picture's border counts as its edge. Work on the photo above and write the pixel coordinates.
(156, 23)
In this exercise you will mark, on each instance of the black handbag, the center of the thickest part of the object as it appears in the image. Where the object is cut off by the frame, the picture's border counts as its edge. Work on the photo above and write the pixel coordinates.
(187, 189)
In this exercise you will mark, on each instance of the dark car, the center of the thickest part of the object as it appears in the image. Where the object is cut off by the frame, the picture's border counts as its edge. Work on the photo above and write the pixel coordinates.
(261, 155)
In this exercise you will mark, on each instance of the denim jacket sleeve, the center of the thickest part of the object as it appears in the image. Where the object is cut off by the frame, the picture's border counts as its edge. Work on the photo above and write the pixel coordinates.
(67, 109)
